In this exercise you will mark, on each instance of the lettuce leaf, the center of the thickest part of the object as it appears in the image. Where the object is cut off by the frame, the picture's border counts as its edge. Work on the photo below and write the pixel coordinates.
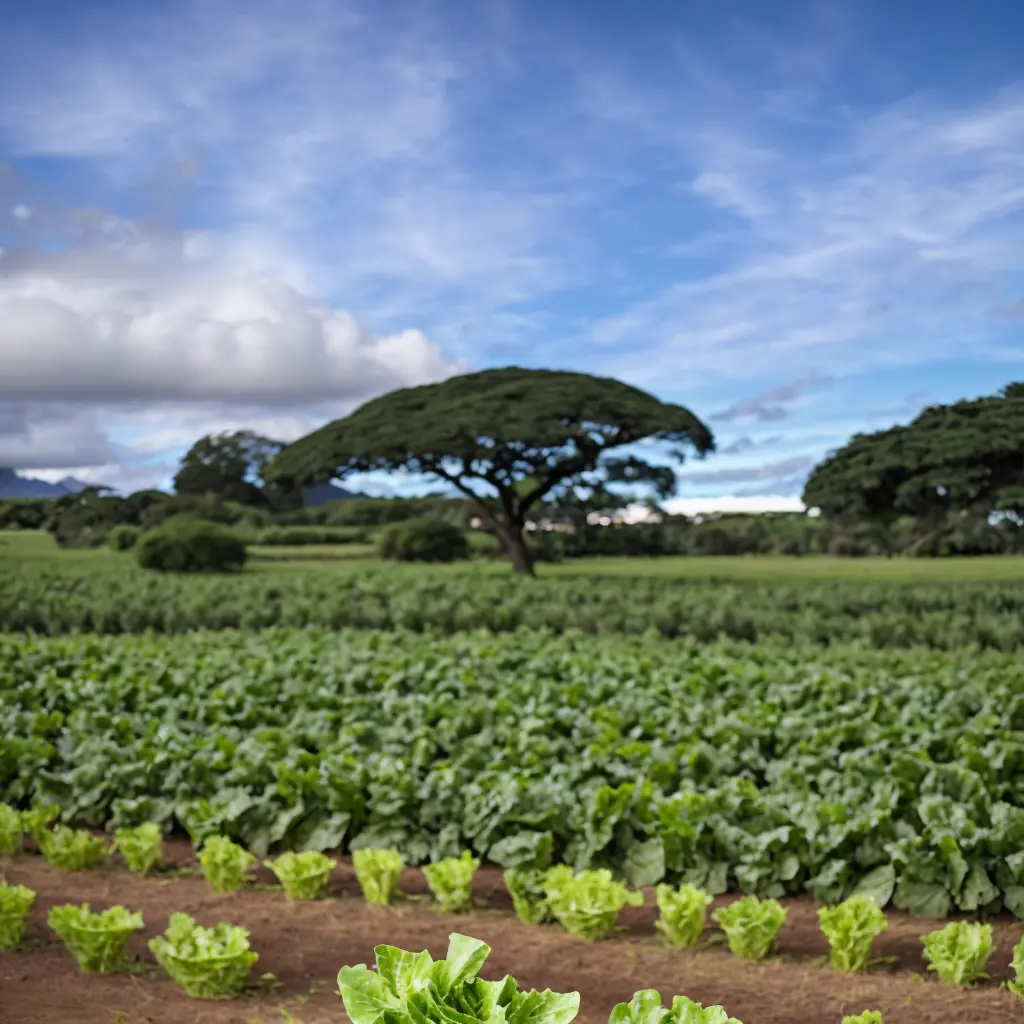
(959, 952)
(304, 875)
(682, 913)
(451, 881)
(96, 941)
(587, 904)
(850, 928)
(15, 903)
(751, 926)
(208, 963)
(377, 872)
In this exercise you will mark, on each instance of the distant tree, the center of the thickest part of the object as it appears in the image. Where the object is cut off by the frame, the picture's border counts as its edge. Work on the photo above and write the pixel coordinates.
(231, 466)
(953, 461)
(507, 439)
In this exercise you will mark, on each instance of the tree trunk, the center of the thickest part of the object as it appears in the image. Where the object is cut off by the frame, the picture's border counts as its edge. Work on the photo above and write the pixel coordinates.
(514, 543)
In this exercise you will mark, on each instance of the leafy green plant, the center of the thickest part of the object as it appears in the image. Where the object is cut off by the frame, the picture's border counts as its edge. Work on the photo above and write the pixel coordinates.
(1016, 985)
(10, 831)
(377, 872)
(411, 988)
(72, 849)
(850, 928)
(646, 1008)
(96, 941)
(15, 903)
(208, 963)
(587, 904)
(36, 821)
(183, 544)
(959, 952)
(681, 913)
(304, 875)
(529, 897)
(751, 926)
(140, 847)
(225, 864)
(867, 1017)
(451, 881)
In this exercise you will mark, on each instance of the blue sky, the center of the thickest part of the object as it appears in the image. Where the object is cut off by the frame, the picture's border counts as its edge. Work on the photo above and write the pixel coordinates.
(801, 219)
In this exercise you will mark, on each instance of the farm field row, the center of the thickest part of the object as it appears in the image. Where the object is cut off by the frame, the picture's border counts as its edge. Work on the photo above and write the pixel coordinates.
(303, 945)
(766, 769)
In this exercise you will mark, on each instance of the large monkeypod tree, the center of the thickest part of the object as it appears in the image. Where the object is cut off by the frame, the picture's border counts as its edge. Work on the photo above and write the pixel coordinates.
(507, 439)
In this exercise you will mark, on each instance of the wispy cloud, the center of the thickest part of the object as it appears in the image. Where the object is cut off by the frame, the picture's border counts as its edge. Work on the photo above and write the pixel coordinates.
(768, 405)
(764, 471)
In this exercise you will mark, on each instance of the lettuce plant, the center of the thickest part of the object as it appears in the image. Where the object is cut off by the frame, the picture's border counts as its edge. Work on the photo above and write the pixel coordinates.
(867, 1017)
(451, 881)
(1016, 986)
(850, 928)
(225, 864)
(377, 872)
(681, 913)
(646, 1008)
(96, 941)
(587, 904)
(37, 820)
(303, 875)
(958, 953)
(72, 849)
(15, 903)
(410, 988)
(10, 831)
(529, 898)
(751, 926)
(140, 847)
(208, 963)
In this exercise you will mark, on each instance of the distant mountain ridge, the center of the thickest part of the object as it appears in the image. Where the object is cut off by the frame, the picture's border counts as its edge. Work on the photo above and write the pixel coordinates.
(13, 485)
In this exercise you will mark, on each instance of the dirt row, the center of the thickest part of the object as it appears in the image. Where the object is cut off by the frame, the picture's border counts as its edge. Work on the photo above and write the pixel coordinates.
(305, 944)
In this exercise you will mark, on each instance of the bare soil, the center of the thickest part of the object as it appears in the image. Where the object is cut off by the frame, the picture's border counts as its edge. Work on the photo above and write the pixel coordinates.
(305, 944)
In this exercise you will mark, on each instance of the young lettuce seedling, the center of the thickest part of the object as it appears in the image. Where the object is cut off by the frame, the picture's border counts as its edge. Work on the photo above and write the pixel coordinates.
(304, 875)
(529, 897)
(867, 1017)
(451, 881)
(682, 913)
(850, 928)
(412, 987)
(72, 849)
(37, 820)
(140, 847)
(587, 904)
(958, 953)
(10, 831)
(751, 926)
(96, 941)
(646, 1008)
(208, 963)
(377, 872)
(15, 903)
(225, 864)
(1016, 986)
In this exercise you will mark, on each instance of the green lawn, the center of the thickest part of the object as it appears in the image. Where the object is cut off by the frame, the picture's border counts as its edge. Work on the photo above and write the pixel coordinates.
(38, 548)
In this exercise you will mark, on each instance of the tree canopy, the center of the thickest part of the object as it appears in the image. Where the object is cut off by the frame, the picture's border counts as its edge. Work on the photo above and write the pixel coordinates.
(964, 459)
(506, 438)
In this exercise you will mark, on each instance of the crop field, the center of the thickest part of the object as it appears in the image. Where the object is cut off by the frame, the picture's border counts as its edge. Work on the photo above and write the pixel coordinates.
(814, 740)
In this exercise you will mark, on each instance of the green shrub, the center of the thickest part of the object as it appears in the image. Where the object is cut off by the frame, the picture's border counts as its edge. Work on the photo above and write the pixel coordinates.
(298, 536)
(190, 545)
(423, 540)
(123, 537)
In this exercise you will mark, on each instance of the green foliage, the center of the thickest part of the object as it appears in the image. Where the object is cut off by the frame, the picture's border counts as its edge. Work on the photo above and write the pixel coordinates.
(123, 537)
(15, 903)
(225, 864)
(72, 849)
(850, 928)
(959, 952)
(10, 831)
(377, 872)
(423, 540)
(529, 896)
(304, 875)
(410, 988)
(208, 963)
(867, 1017)
(302, 536)
(190, 545)
(96, 941)
(587, 904)
(36, 821)
(646, 1008)
(751, 926)
(451, 880)
(1016, 984)
(140, 846)
(682, 913)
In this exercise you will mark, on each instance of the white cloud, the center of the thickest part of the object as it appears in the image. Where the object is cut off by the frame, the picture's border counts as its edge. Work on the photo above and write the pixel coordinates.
(732, 503)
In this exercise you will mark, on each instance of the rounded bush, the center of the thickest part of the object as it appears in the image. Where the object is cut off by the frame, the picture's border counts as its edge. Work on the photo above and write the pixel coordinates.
(190, 545)
(123, 537)
(423, 540)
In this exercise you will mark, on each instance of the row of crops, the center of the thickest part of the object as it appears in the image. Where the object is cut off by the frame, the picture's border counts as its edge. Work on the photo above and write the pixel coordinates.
(106, 597)
(768, 770)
